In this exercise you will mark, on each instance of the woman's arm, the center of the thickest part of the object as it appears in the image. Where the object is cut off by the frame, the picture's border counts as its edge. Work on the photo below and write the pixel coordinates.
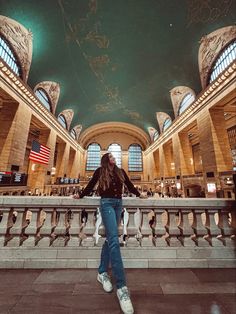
(91, 183)
(130, 185)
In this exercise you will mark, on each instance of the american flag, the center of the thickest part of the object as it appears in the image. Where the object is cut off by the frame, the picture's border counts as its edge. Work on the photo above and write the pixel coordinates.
(39, 153)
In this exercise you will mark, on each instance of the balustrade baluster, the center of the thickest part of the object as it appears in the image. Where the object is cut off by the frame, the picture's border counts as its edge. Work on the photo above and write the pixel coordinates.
(160, 231)
(4, 225)
(31, 228)
(212, 228)
(200, 230)
(88, 229)
(227, 229)
(233, 224)
(123, 227)
(74, 228)
(60, 228)
(186, 230)
(147, 239)
(134, 228)
(16, 230)
(45, 227)
(99, 233)
(172, 228)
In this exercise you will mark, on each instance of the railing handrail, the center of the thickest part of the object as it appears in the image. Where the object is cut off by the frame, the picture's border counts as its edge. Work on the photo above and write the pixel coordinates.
(129, 202)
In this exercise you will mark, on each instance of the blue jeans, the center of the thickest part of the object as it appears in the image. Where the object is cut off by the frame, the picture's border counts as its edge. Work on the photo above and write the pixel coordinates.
(111, 211)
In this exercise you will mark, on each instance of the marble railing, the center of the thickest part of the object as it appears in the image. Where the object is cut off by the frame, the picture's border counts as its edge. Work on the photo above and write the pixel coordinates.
(45, 222)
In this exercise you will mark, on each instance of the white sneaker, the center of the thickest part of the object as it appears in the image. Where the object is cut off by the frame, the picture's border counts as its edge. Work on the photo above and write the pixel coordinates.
(124, 299)
(105, 280)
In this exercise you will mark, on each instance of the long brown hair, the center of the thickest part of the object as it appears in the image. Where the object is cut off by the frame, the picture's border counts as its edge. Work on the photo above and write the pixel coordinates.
(106, 173)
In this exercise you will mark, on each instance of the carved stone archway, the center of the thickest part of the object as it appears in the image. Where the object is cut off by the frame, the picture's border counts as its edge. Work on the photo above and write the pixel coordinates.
(177, 94)
(20, 40)
(53, 91)
(210, 47)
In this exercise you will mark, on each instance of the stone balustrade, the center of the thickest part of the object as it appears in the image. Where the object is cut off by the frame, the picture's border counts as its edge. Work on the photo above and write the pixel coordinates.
(63, 232)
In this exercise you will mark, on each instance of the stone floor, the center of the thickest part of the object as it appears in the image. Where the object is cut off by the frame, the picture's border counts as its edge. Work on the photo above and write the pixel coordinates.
(163, 291)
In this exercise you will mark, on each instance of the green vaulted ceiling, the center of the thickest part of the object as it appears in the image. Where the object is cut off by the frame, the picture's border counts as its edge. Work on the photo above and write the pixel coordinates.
(117, 60)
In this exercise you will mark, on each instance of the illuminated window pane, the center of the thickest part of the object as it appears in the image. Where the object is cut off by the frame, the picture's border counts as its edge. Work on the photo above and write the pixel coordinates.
(156, 135)
(186, 102)
(8, 56)
(62, 121)
(42, 96)
(73, 134)
(223, 61)
(135, 158)
(115, 149)
(166, 124)
(93, 157)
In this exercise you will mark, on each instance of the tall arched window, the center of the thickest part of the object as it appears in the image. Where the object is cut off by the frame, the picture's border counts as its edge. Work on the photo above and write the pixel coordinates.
(186, 102)
(62, 121)
(73, 134)
(115, 149)
(8, 55)
(43, 97)
(166, 124)
(227, 56)
(135, 158)
(93, 157)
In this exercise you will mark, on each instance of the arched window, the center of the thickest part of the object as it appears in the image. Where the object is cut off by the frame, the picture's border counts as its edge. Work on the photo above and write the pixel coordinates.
(155, 136)
(62, 121)
(135, 158)
(115, 149)
(43, 97)
(73, 134)
(9, 57)
(93, 157)
(166, 124)
(227, 56)
(186, 102)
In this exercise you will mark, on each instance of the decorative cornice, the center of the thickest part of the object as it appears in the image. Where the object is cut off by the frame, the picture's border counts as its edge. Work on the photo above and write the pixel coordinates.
(23, 91)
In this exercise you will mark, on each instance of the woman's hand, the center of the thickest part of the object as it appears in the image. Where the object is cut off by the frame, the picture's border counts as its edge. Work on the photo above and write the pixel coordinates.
(142, 196)
(76, 196)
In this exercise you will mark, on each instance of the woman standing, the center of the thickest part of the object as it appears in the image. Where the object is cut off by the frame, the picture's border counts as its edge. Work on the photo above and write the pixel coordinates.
(110, 180)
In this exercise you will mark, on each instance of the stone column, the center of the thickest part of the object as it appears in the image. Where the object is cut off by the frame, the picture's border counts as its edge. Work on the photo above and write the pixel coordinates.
(156, 156)
(77, 165)
(214, 145)
(71, 161)
(168, 164)
(83, 158)
(38, 177)
(14, 129)
(62, 159)
(185, 153)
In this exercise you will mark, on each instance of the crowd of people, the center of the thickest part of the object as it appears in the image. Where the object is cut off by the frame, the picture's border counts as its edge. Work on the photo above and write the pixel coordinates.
(78, 190)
